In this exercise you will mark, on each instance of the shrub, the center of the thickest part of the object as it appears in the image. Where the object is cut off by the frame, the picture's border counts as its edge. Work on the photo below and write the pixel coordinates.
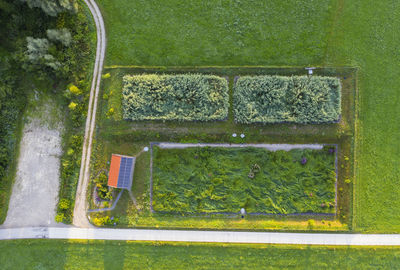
(72, 106)
(60, 217)
(186, 97)
(64, 204)
(106, 76)
(75, 90)
(296, 99)
(106, 220)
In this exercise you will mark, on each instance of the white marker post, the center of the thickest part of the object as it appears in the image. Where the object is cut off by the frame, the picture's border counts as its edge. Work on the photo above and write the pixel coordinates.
(310, 70)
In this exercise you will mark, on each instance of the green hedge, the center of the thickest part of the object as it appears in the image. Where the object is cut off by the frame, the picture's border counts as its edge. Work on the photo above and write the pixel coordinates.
(279, 99)
(189, 97)
(215, 179)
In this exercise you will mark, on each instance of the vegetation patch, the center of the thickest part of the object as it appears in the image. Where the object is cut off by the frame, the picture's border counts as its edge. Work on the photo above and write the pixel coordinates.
(296, 99)
(186, 97)
(216, 179)
(99, 254)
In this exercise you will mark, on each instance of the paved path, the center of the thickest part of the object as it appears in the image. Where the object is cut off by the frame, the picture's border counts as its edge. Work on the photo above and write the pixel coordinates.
(80, 216)
(202, 236)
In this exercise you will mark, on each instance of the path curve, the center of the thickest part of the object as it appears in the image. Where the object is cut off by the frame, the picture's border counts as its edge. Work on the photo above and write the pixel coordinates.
(80, 216)
(202, 236)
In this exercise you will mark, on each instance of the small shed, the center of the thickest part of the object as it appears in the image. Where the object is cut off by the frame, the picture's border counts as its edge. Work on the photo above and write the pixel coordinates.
(121, 171)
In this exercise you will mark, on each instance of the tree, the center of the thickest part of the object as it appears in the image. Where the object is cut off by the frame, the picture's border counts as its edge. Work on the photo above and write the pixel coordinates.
(53, 7)
(61, 35)
(37, 53)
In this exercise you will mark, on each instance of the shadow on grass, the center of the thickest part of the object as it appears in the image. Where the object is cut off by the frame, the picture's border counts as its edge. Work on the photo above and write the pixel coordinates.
(114, 255)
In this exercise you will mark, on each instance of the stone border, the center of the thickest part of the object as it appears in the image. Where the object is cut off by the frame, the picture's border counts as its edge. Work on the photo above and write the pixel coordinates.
(270, 147)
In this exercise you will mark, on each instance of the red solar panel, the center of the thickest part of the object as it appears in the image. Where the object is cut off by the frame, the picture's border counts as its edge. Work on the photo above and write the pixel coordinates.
(114, 170)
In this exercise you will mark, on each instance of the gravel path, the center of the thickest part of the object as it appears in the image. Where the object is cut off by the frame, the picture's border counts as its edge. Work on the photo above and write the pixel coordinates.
(271, 147)
(35, 191)
(81, 206)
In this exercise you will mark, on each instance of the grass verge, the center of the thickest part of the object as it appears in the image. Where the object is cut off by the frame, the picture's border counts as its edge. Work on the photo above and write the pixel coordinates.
(63, 254)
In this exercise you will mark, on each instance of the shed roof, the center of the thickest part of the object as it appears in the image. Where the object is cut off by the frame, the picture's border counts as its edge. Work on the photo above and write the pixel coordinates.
(121, 171)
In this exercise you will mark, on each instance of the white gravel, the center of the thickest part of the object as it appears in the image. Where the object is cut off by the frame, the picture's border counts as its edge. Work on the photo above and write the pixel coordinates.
(35, 190)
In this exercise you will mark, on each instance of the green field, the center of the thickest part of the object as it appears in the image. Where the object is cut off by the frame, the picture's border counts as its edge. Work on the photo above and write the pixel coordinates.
(360, 26)
(224, 32)
(361, 33)
(214, 179)
(61, 254)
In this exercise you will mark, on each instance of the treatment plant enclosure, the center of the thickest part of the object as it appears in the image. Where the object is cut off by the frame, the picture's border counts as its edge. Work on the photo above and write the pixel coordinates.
(129, 137)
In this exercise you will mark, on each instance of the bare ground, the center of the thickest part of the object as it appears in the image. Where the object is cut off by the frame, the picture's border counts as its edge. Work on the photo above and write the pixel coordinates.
(35, 191)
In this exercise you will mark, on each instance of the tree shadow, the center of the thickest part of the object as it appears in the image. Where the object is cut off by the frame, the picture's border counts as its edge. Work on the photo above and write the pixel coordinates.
(114, 255)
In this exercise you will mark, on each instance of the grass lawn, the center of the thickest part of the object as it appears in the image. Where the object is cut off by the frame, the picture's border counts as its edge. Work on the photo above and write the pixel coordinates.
(366, 34)
(224, 32)
(62, 254)
(215, 179)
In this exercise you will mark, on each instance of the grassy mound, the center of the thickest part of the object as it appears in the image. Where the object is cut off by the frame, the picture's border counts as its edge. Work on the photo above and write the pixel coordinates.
(296, 99)
(214, 179)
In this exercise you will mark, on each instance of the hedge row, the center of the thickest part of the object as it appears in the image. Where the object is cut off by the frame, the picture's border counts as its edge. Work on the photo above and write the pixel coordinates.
(278, 99)
(189, 97)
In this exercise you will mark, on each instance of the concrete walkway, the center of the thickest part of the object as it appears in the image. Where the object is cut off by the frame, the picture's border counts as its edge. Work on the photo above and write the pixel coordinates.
(202, 236)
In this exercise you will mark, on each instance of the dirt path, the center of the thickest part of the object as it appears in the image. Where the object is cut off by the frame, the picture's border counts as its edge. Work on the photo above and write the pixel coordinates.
(81, 206)
(35, 191)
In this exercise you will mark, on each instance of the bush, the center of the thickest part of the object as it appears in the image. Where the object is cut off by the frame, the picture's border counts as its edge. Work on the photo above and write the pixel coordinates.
(63, 204)
(60, 217)
(296, 99)
(187, 97)
(103, 191)
(106, 76)
(72, 106)
(75, 90)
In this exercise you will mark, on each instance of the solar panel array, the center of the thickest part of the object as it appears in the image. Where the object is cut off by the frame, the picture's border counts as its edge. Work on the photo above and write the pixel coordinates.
(125, 172)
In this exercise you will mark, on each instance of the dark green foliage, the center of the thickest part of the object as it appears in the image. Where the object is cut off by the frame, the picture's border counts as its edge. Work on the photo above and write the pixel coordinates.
(217, 180)
(103, 192)
(296, 99)
(186, 97)
(70, 164)
(52, 7)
